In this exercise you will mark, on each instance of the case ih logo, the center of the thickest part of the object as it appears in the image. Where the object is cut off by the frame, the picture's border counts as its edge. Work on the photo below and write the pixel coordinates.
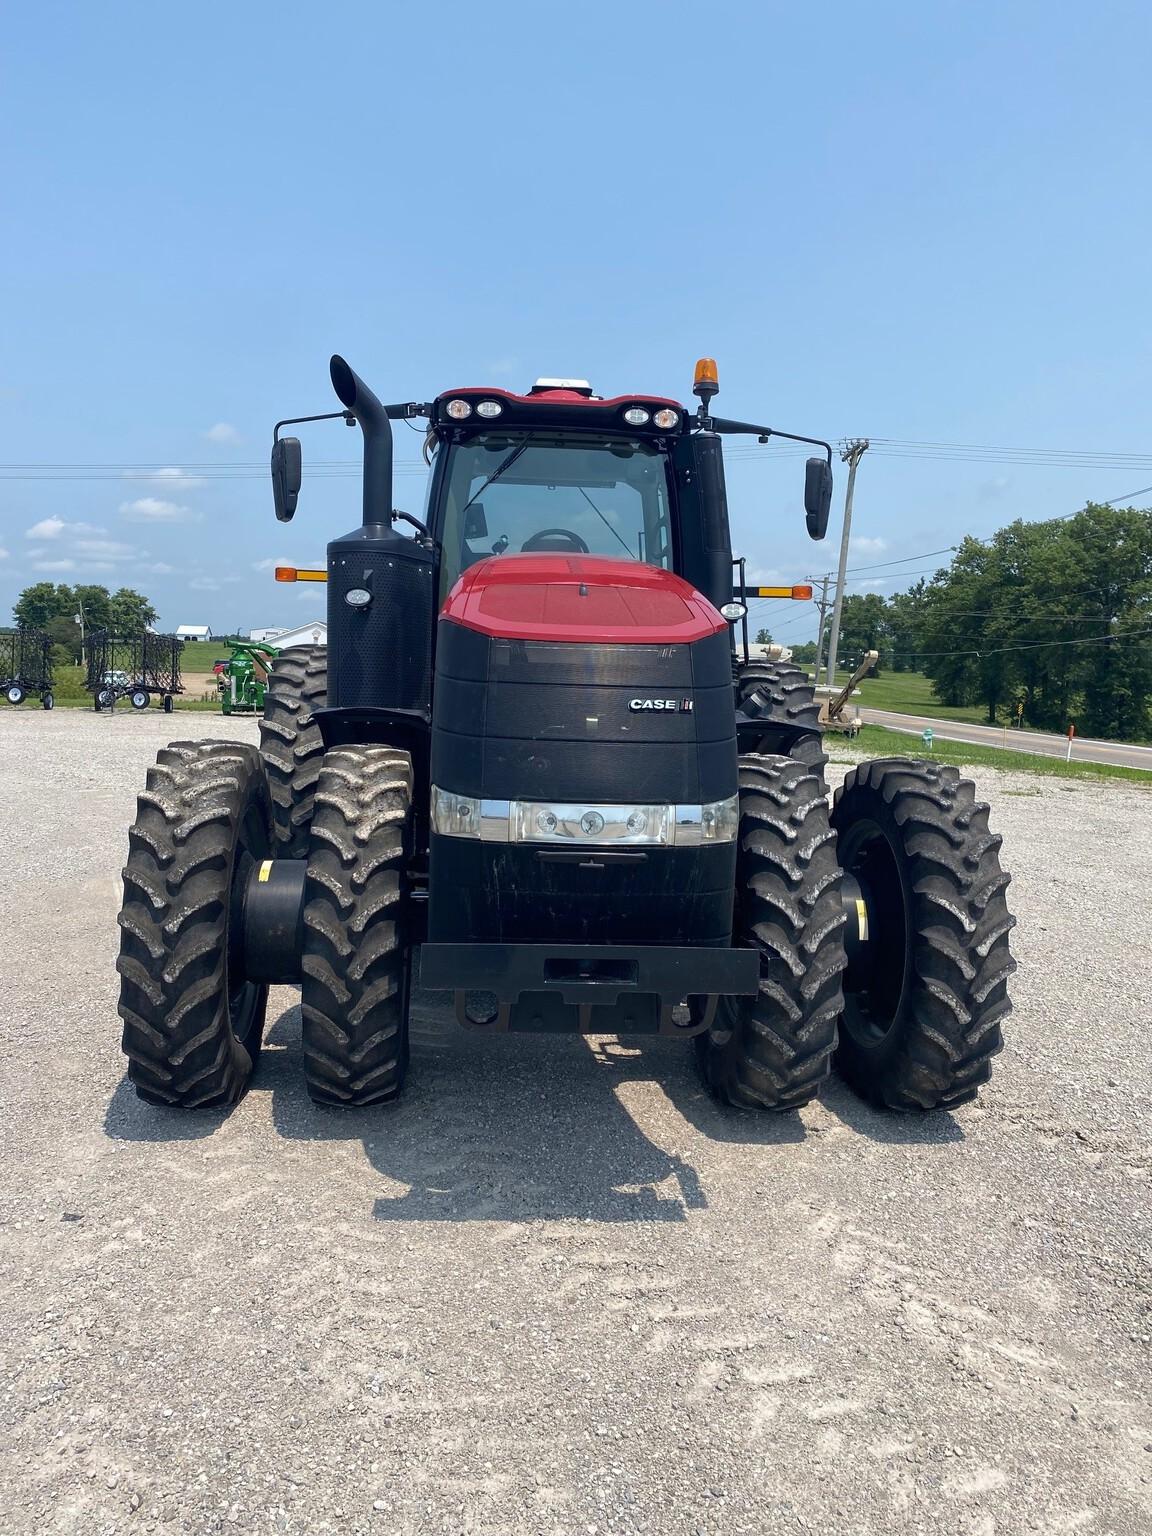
(676, 706)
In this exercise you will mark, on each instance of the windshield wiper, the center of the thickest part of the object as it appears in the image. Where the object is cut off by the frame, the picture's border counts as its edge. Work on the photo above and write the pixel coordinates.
(505, 463)
(622, 542)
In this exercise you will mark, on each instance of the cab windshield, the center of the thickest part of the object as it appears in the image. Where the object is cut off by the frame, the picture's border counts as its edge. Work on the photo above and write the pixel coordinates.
(534, 492)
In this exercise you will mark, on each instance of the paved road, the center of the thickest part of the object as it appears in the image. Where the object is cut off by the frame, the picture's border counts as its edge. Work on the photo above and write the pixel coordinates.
(1016, 741)
(556, 1291)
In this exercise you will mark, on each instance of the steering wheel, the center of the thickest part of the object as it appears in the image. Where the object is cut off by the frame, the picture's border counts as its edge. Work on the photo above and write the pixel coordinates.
(540, 541)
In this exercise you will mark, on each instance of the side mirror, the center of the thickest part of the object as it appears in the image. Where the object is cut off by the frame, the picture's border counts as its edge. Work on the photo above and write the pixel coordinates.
(475, 523)
(817, 496)
(287, 472)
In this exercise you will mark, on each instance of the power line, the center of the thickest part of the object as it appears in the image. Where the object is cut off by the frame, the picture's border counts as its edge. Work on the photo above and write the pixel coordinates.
(1031, 645)
(906, 560)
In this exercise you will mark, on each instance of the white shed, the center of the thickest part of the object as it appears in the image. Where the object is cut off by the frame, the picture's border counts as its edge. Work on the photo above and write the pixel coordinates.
(194, 632)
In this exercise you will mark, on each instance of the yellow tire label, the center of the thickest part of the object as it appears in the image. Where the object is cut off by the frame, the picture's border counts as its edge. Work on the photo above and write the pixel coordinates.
(266, 870)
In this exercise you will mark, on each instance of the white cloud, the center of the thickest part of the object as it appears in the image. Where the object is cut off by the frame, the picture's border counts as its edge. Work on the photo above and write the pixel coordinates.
(866, 546)
(158, 568)
(151, 509)
(50, 528)
(3, 554)
(53, 565)
(223, 432)
(211, 583)
(171, 477)
(56, 527)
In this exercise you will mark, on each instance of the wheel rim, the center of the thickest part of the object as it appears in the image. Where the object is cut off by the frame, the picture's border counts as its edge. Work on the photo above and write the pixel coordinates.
(139, 700)
(15, 695)
(876, 982)
(252, 848)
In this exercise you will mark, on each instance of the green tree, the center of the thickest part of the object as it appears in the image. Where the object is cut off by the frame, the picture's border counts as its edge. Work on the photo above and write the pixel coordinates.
(131, 612)
(96, 606)
(1050, 614)
(864, 626)
(64, 632)
(37, 604)
(763, 637)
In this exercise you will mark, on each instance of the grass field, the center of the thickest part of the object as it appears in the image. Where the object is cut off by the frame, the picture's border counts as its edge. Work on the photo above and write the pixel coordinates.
(876, 741)
(911, 693)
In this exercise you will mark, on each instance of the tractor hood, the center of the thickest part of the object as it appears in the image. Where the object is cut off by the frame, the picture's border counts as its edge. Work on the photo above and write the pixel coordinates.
(582, 599)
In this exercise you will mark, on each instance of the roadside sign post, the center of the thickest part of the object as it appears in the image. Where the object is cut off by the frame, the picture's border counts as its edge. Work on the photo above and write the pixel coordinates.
(926, 736)
(1071, 733)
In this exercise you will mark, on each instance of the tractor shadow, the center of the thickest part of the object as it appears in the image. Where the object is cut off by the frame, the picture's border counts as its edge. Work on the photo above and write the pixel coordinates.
(521, 1127)
(524, 1127)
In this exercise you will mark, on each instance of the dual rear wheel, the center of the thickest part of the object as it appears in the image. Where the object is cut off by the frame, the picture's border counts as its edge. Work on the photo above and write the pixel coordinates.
(193, 1020)
(882, 930)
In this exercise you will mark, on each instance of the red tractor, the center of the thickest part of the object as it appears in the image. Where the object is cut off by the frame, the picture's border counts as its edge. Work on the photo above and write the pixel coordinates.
(535, 754)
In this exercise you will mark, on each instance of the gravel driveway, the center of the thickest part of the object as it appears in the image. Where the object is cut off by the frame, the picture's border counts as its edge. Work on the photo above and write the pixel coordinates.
(557, 1290)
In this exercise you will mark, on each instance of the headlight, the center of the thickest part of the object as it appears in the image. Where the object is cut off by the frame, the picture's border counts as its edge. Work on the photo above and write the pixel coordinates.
(635, 417)
(601, 825)
(716, 822)
(733, 611)
(720, 821)
(580, 825)
(455, 815)
(489, 408)
(665, 419)
(459, 410)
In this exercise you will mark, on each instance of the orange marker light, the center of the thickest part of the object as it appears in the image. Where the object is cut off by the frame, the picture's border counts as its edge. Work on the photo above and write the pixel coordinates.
(285, 573)
(291, 573)
(801, 594)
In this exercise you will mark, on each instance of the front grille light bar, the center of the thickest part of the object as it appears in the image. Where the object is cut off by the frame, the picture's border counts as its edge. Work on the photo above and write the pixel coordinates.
(576, 824)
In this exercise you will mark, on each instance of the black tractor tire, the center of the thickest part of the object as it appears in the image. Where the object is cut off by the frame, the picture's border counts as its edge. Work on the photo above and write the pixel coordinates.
(926, 991)
(779, 693)
(104, 699)
(140, 698)
(773, 1051)
(47, 700)
(168, 704)
(291, 744)
(192, 1026)
(357, 944)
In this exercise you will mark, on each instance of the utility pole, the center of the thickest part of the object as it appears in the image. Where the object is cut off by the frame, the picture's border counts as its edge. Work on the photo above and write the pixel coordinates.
(822, 604)
(80, 621)
(851, 454)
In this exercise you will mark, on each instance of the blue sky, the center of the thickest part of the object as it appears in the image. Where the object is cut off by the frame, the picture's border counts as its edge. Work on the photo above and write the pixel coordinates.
(909, 221)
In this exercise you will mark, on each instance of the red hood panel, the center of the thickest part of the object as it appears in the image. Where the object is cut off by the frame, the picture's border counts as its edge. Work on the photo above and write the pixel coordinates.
(584, 599)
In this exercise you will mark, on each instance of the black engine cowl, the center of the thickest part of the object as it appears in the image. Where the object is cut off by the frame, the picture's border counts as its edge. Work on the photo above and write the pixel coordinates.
(549, 717)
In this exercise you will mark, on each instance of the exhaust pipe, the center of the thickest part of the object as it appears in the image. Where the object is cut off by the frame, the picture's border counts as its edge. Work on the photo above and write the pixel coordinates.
(355, 396)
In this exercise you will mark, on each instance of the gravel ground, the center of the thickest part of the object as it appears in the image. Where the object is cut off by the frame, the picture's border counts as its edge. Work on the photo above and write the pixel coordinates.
(557, 1290)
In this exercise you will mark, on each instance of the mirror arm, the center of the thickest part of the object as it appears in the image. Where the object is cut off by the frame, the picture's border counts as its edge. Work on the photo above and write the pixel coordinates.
(415, 522)
(721, 424)
(292, 421)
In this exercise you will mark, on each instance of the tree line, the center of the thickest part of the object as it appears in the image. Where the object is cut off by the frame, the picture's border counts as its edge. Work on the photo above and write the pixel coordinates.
(1048, 623)
(57, 608)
